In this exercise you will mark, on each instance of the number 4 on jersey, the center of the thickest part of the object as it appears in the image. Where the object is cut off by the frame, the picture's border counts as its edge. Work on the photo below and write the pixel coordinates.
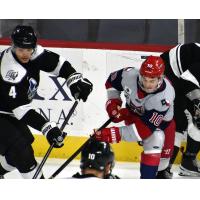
(12, 92)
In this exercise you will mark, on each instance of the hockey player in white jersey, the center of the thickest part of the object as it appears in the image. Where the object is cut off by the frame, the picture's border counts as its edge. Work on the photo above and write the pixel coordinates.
(148, 114)
(19, 79)
(97, 161)
(183, 70)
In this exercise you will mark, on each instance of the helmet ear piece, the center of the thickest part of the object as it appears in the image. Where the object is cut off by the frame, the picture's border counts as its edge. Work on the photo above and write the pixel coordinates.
(24, 37)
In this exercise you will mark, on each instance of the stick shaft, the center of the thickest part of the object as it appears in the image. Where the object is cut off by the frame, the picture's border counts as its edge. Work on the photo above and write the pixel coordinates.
(52, 145)
(77, 152)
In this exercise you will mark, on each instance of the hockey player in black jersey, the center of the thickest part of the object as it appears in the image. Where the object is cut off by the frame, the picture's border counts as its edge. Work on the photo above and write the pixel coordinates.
(183, 69)
(97, 161)
(20, 66)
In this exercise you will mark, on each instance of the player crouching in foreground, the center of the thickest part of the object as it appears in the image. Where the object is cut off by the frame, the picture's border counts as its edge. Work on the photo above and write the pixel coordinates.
(97, 161)
(148, 114)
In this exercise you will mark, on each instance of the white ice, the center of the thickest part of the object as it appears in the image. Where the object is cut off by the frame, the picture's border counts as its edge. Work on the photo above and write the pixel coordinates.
(125, 170)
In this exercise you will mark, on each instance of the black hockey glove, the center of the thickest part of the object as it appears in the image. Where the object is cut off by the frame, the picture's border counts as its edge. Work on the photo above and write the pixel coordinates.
(80, 87)
(53, 134)
(196, 117)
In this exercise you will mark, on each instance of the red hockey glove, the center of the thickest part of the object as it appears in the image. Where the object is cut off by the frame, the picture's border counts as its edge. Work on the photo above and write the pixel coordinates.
(124, 114)
(113, 108)
(110, 135)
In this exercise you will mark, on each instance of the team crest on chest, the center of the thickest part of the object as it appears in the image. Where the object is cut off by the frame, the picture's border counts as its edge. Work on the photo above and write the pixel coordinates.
(32, 88)
(137, 109)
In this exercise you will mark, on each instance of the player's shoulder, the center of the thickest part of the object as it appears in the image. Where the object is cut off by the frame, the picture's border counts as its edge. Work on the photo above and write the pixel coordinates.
(39, 50)
(169, 90)
(189, 48)
(123, 74)
(166, 93)
(191, 44)
(128, 77)
(163, 99)
(129, 73)
(11, 71)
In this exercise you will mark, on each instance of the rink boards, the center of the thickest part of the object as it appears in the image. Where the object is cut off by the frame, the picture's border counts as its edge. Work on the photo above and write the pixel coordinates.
(53, 99)
(124, 151)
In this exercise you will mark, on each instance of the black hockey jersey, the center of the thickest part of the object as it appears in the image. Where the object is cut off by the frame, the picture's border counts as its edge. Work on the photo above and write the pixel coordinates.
(84, 176)
(184, 60)
(19, 81)
(108, 176)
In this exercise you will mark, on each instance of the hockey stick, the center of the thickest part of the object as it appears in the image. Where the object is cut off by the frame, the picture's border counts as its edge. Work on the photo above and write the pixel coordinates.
(77, 152)
(52, 145)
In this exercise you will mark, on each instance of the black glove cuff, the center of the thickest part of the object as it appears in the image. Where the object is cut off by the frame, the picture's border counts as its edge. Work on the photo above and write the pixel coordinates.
(75, 77)
(47, 127)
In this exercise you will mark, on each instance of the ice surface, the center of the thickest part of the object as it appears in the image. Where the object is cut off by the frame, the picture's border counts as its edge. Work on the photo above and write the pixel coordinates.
(125, 170)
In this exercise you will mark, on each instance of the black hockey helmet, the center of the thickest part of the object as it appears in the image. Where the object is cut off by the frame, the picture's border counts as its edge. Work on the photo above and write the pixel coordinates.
(96, 155)
(24, 37)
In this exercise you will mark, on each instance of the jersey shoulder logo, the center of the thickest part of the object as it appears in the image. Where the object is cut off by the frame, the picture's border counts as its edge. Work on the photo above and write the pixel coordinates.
(165, 102)
(11, 75)
(11, 71)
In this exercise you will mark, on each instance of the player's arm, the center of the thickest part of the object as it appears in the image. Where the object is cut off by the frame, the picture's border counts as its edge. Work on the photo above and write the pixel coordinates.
(22, 110)
(30, 117)
(138, 131)
(142, 128)
(114, 85)
(52, 63)
(19, 104)
(58, 66)
(114, 88)
(188, 63)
